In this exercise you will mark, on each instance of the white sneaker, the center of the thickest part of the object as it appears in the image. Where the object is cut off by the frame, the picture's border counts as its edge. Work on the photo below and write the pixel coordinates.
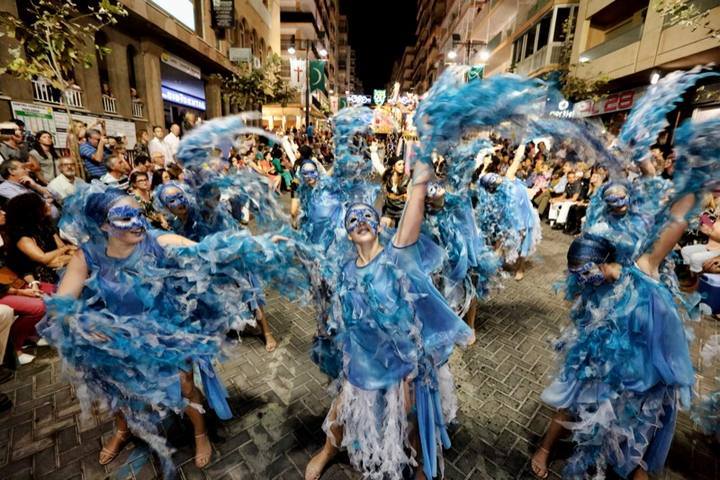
(42, 343)
(25, 358)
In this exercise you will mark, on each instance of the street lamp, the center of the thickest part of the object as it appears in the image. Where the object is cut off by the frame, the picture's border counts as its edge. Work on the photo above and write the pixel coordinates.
(469, 45)
(291, 50)
(484, 55)
(322, 52)
(452, 55)
(654, 78)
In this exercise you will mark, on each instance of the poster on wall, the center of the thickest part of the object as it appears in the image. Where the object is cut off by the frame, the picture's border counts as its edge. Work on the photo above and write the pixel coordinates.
(38, 117)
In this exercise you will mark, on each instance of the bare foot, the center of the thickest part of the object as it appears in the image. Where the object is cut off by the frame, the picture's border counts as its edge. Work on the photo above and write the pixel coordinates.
(317, 463)
(473, 339)
(203, 450)
(519, 275)
(114, 447)
(640, 474)
(270, 342)
(539, 463)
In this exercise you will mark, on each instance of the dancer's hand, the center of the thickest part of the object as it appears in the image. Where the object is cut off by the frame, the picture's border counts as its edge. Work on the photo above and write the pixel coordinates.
(99, 337)
(279, 238)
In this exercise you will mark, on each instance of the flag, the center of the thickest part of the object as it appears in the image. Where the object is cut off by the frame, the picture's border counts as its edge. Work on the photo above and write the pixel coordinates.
(297, 74)
(342, 103)
(476, 73)
(317, 75)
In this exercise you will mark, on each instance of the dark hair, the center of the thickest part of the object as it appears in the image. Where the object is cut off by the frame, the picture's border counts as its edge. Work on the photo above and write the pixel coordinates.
(18, 122)
(305, 151)
(98, 204)
(7, 166)
(141, 160)
(391, 167)
(157, 177)
(38, 147)
(25, 214)
(134, 176)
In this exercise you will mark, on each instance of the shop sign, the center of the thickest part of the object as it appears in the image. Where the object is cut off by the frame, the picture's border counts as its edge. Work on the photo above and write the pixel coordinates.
(223, 13)
(355, 100)
(563, 110)
(615, 102)
(180, 64)
(180, 98)
(239, 55)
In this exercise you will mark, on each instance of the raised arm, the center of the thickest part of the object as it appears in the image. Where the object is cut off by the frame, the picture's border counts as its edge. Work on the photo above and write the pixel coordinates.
(513, 168)
(650, 261)
(414, 213)
(173, 240)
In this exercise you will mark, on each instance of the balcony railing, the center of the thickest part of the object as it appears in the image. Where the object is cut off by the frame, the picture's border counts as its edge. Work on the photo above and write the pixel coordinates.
(109, 104)
(547, 55)
(44, 92)
(623, 40)
(137, 109)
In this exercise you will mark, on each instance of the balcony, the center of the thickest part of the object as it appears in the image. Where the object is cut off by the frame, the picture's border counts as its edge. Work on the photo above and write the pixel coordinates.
(46, 93)
(109, 104)
(627, 38)
(137, 109)
(544, 57)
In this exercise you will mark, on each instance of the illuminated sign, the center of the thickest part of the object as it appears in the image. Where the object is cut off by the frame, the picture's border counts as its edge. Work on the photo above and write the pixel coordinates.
(355, 100)
(616, 102)
(183, 99)
(563, 111)
(379, 96)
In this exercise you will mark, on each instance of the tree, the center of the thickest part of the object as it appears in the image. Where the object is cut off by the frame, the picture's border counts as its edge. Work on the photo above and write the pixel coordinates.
(573, 87)
(254, 87)
(55, 42)
(687, 14)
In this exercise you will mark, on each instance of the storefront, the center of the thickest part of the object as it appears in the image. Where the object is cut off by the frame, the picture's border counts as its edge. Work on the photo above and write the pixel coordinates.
(183, 89)
(706, 103)
(611, 110)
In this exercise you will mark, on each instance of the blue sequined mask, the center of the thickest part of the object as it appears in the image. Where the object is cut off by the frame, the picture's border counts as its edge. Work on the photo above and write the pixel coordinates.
(617, 201)
(124, 217)
(175, 201)
(589, 274)
(361, 214)
(490, 181)
(309, 172)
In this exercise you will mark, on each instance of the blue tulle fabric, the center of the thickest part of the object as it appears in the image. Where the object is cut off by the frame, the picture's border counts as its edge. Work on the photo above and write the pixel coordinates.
(470, 265)
(161, 310)
(626, 366)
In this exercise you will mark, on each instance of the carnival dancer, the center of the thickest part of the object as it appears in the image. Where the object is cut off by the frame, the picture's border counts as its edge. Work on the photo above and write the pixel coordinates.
(396, 333)
(135, 311)
(627, 368)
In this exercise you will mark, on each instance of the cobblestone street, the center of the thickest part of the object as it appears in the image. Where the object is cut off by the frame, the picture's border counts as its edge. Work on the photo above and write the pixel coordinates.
(280, 400)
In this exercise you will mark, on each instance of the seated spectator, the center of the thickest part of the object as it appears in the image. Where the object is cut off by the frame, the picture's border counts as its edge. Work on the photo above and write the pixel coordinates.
(140, 188)
(35, 251)
(575, 216)
(45, 156)
(93, 154)
(17, 182)
(560, 206)
(696, 255)
(66, 182)
(117, 171)
(11, 143)
(175, 172)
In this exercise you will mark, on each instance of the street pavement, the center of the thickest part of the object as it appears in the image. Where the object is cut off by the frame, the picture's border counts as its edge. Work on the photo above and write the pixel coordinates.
(280, 400)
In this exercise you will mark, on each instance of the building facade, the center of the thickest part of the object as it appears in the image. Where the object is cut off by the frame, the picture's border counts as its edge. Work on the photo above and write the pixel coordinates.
(162, 64)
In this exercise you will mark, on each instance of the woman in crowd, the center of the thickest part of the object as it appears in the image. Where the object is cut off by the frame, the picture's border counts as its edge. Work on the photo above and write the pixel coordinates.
(45, 156)
(35, 250)
(142, 192)
(160, 177)
(175, 173)
(399, 393)
(141, 145)
(395, 183)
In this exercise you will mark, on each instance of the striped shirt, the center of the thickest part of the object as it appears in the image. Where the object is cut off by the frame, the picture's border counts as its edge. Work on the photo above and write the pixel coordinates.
(94, 170)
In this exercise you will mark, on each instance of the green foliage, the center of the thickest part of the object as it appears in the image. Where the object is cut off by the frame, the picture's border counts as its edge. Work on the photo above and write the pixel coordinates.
(572, 87)
(254, 87)
(55, 41)
(687, 14)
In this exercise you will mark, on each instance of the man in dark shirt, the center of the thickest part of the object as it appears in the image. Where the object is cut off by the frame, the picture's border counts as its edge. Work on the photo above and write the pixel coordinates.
(560, 206)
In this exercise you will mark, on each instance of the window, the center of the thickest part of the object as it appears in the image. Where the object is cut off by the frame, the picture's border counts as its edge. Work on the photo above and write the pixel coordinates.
(544, 31)
(131, 53)
(563, 15)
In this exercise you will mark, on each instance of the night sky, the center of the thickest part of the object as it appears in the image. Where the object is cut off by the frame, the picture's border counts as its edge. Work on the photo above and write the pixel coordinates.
(379, 32)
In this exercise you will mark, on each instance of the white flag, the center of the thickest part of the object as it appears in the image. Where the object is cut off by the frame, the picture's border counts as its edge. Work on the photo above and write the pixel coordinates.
(297, 74)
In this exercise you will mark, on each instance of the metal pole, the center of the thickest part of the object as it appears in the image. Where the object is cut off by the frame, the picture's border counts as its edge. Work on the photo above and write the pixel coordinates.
(307, 85)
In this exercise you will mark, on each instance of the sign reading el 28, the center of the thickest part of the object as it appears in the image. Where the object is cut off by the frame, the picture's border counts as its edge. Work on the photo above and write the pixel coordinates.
(616, 102)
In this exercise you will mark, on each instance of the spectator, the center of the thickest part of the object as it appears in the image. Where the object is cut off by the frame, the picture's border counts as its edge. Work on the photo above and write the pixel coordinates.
(45, 155)
(395, 184)
(118, 170)
(140, 188)
(696, 255)
(281, 164)
(17, 182)
(157, 147)
(66, 182)
(175, 172)
(35, 250)
(310, 132)
(189, 122)
(11, 139)
(172, 140)
(577, 211)
(141, 145)
(143, 164)
(7, 318)
(160, 176)
(93, 154)
(560, 206)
